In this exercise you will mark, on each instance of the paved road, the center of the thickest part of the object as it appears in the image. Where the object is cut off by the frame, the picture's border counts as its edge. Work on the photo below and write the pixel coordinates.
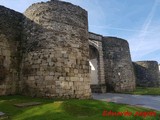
(147, 101)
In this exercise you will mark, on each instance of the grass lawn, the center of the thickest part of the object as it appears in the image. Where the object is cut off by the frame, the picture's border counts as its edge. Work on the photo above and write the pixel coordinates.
(145, 91)
(67, 109)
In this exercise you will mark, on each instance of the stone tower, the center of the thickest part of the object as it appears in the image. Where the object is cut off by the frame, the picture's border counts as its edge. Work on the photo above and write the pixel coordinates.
(147, 73)
(119, 73)
(56, 51)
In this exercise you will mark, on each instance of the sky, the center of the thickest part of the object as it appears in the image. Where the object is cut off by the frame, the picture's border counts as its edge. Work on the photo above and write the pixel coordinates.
(137, 21)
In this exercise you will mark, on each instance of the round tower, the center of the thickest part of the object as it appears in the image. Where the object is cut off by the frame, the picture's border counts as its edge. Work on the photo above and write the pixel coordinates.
(56, 51)
(119, 73)
(147, 73)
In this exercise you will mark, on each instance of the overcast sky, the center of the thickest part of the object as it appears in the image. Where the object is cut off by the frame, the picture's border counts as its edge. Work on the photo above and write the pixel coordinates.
(137, 21)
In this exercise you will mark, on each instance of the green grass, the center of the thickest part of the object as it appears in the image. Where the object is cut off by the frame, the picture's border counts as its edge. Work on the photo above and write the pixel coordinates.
(67, 109)
(145, 91)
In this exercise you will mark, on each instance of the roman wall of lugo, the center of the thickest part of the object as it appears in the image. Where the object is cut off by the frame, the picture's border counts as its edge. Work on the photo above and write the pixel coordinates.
(49, 52)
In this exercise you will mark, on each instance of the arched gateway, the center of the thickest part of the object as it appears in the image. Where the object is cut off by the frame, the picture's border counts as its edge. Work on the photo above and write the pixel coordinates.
(96, 63)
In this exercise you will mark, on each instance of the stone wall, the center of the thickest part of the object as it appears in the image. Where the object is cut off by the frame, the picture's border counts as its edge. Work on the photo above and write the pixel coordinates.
(119, 73)
(46, 54)
(147, 73)
(10, 38)
(56, 51)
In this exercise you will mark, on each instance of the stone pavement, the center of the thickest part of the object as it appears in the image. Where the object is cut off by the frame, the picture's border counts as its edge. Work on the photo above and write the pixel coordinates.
(148, 101)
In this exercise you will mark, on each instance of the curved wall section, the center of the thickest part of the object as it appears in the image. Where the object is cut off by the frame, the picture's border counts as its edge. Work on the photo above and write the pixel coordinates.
(56, 51)
(119, 73)
(147, 73)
